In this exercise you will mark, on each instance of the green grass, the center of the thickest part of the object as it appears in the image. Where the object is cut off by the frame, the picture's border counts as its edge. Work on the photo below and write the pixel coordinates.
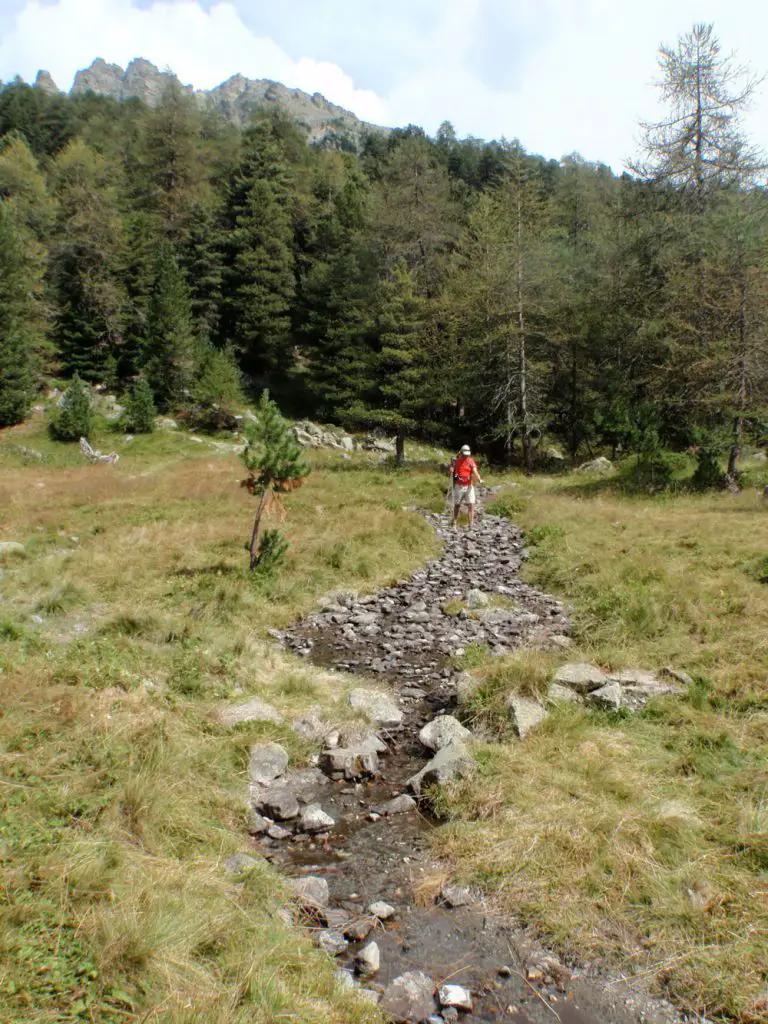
(639, 841)
(121, 796)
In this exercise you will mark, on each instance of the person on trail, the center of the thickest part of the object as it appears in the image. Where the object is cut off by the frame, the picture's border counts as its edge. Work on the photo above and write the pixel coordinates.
(464, 474)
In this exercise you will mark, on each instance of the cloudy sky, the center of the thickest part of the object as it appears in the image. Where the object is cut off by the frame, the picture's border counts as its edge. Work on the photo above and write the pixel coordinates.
(563, 76)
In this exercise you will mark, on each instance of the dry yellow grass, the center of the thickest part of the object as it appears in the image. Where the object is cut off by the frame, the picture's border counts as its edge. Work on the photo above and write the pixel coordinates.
(640, 841)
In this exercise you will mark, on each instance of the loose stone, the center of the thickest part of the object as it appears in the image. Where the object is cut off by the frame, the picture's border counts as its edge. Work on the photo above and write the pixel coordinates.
(442, 731)
(314, 819)
(311, 891)
(383, 911)
(456, 996)
(368, 960)
(410, 998)
(253, 710)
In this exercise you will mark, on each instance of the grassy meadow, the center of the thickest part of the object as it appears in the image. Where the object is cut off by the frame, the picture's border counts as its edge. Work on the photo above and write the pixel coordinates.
(129, 618)
(638, 842)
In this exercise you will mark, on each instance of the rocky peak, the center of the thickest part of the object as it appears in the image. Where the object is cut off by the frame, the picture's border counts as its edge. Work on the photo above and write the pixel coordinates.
(46, 83)
(322, 121)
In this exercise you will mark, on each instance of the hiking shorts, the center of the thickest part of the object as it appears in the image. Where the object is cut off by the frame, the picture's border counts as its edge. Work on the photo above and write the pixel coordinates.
(463, 495)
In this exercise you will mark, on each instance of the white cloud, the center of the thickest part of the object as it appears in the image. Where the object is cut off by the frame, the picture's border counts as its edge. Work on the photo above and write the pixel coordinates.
(202, 47)
(560, 75)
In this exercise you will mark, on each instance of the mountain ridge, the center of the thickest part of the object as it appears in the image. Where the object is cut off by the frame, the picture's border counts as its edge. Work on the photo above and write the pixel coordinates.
(322, 121)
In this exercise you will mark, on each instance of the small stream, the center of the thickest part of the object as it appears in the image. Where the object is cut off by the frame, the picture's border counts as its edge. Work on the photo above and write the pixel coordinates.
(367, 857)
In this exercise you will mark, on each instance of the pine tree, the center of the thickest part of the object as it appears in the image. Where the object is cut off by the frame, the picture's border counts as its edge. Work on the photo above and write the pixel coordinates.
(17, 326)
(75, 416)
(405, 383)
(87, 258)
(172, 164)
(169, 340)
(216, 389)
(260, 277)
(140, 411)
(273, 459)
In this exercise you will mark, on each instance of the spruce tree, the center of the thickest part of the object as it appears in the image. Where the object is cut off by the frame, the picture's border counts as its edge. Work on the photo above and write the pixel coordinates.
(88, 252)
(216, 390)
(169, 340)
(273, 458)
(259, 282)
(16, 323)
(140, 411)
(405, 384)
(74, 418)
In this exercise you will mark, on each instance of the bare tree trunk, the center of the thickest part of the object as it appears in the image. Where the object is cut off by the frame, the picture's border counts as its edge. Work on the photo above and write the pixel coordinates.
(255, 534)
(400, 446)
(738, 420)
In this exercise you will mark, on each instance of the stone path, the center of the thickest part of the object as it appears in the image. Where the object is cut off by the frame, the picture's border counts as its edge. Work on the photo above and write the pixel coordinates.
(349, 832)
(471, 594)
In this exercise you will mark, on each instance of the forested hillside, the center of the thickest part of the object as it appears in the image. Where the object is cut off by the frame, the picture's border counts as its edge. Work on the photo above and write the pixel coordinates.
(435, 287)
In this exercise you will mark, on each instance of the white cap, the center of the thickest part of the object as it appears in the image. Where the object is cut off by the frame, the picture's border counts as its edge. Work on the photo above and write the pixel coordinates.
(466, 450)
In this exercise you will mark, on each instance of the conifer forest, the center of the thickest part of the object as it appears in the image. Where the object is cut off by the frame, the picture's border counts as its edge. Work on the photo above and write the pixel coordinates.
(438, 288)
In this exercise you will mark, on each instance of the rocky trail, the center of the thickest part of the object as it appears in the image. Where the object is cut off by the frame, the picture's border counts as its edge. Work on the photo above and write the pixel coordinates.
(351, 833)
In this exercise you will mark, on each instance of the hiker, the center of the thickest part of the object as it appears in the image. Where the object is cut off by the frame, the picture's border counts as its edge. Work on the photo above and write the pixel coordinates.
(464, 474)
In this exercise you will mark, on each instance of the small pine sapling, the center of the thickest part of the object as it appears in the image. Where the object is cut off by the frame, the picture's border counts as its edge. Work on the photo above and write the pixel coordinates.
(140, 409)
(74, 419)
(272, 457)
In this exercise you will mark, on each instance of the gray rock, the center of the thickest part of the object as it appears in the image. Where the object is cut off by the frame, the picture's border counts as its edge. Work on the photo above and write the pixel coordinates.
(466, 687)
(45, 82)
(344, 979)
(256, 824)
(381, 910)
(239, 862)
(581, 677)
(410, 998)
(608, 696)
(278, 833)
(368, 960)
(252, 710)
(359, 929)
(314, 819)
(450, 762)
(11, 547)
(477, 599)
(455, 896)
(268, 762)
(333, 943)
(280, 803)
(600, 465)
(310, 727)
(399, 805)
(456, 996)
(634, 677)
(166, 423)
(524, 714)
(351, 764)
(311, 891)
(443, 730)
(559, 694)
(368, 995)
(378, 707)
(678, 676)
